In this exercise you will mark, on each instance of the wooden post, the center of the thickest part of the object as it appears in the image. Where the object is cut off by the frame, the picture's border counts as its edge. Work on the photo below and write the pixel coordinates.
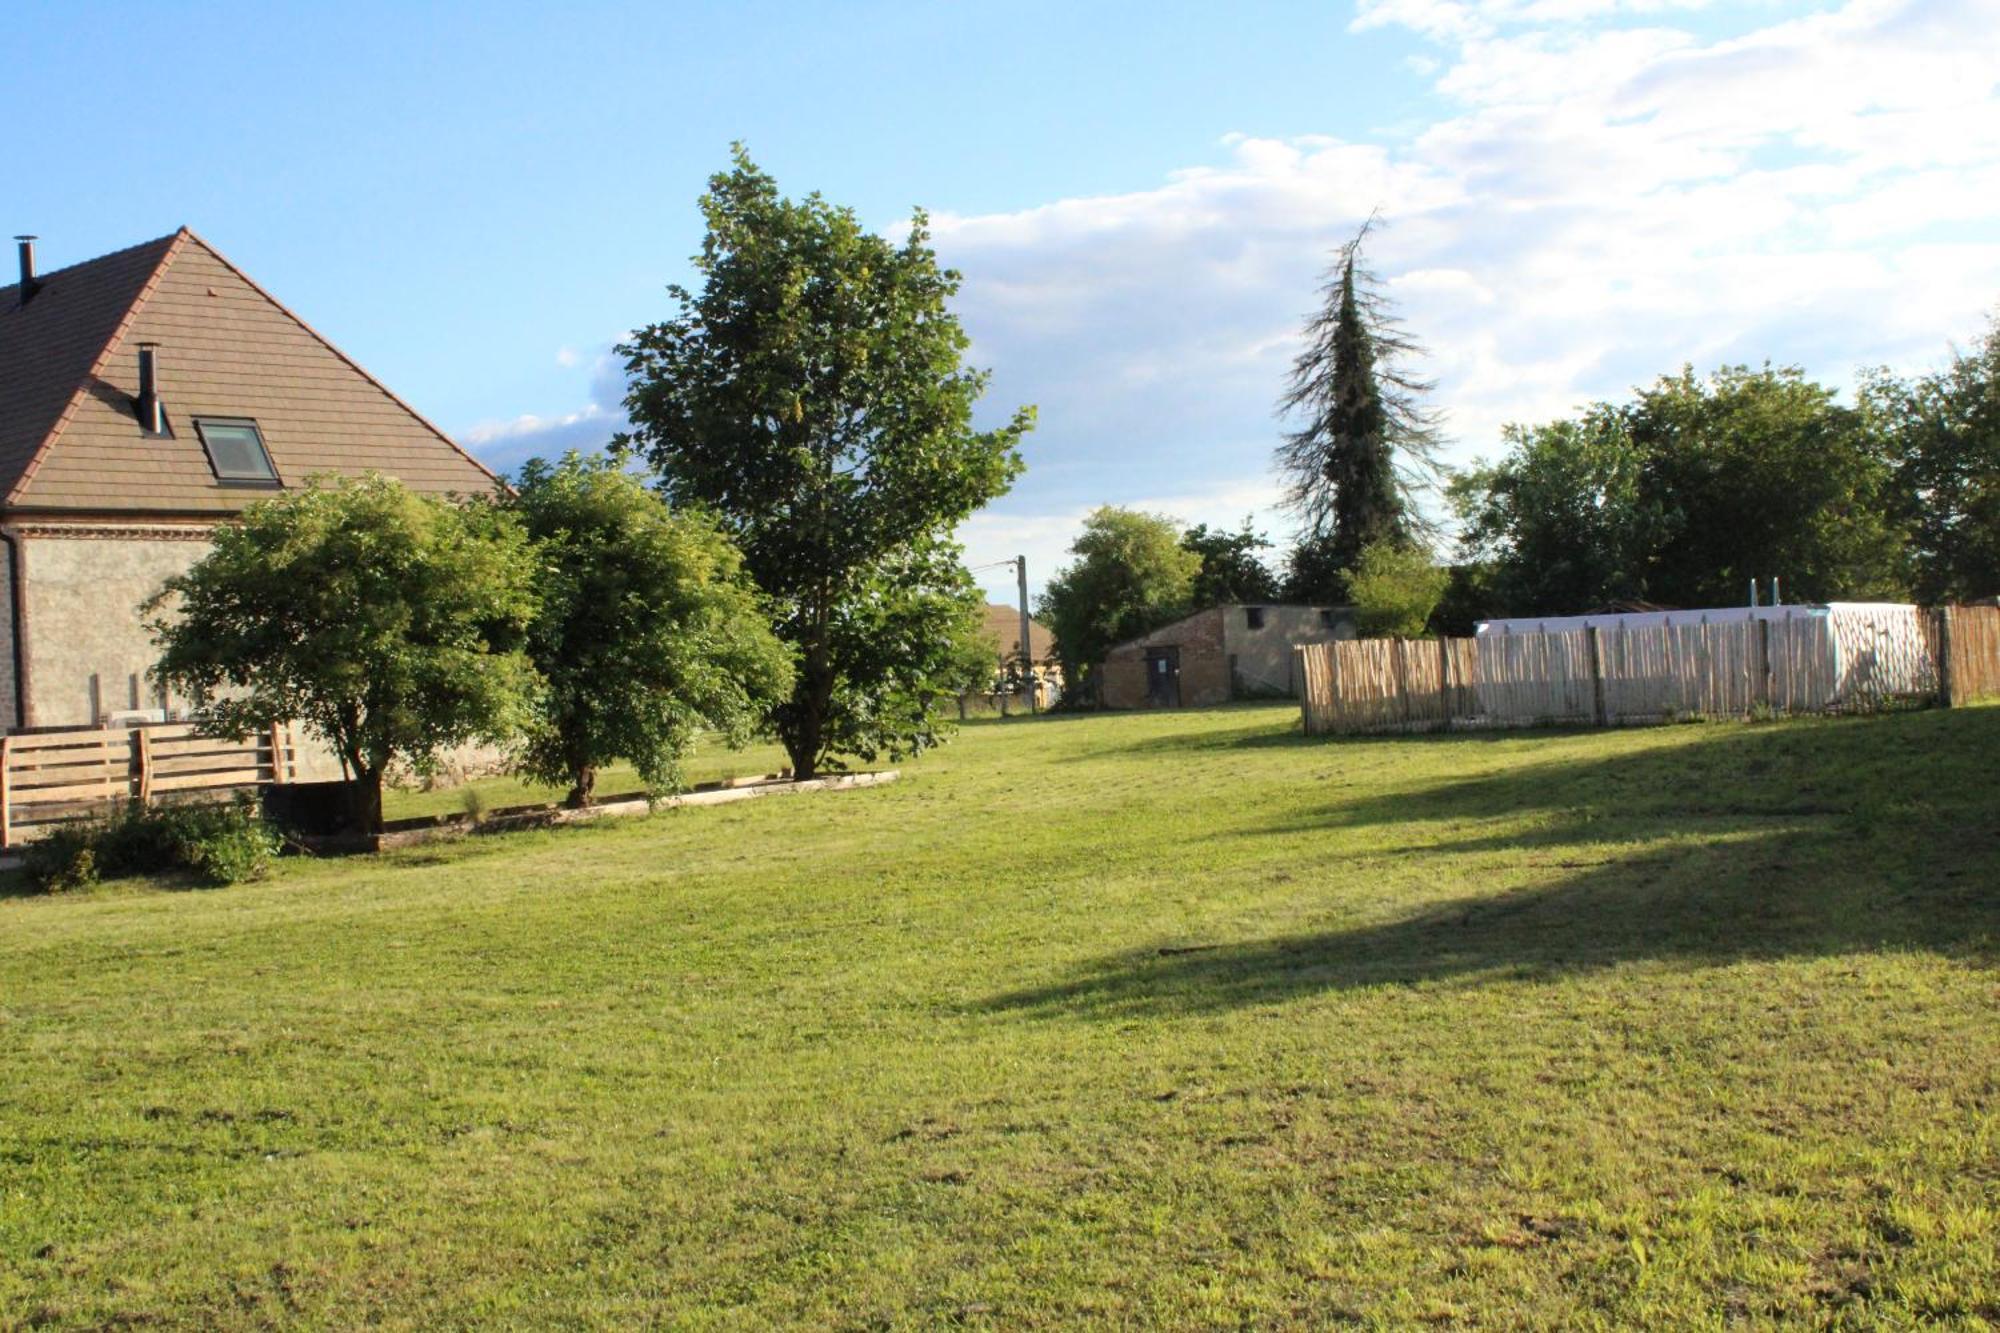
(1591, 633)
(1400, 651)
(278, 752)
(142, 754)
(1444, 680)
(6, 791)
(1761, 679)
(1946, 683)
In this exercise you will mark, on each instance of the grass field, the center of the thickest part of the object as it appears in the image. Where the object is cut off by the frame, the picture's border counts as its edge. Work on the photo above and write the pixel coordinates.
(1170, 1020)
(711, 762)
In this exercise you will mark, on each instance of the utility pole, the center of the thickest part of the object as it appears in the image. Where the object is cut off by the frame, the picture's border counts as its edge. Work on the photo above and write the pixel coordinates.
(1027, 639)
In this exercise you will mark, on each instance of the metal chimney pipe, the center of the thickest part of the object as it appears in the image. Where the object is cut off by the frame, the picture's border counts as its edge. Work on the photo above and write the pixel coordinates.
(152, 417)
(29, 283)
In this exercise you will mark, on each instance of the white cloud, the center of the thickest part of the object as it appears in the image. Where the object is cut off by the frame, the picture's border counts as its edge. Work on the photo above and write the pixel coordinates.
(1044, 537)
(505, 445)
(1601, 194)
(1606, 197)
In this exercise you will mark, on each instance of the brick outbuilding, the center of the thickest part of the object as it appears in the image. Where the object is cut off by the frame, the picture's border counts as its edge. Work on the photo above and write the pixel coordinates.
(1213, 656)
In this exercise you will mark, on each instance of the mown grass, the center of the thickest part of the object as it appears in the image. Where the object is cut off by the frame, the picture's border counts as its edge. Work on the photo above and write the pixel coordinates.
(711, 761)
(1170, 1020)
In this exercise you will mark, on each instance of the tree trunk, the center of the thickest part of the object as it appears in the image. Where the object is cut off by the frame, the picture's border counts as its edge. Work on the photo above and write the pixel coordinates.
(802, 744)
(804, 731)
(364, 795)
(584, 780)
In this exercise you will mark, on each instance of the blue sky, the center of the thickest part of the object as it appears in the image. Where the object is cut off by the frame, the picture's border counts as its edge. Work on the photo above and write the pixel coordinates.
(475, 201)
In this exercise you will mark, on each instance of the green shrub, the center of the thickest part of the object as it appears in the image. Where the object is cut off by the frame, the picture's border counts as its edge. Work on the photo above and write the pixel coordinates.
(1394, 589)
(65, 859)
(222, 843)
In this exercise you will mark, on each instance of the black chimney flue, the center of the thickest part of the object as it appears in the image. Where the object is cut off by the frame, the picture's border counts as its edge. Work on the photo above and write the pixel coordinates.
(152, 416)
(29, 282)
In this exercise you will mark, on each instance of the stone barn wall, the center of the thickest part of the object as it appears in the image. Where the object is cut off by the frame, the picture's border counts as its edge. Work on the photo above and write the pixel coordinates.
(1260, 640)
(1204, 663)
(87, 651)
(1226, 652)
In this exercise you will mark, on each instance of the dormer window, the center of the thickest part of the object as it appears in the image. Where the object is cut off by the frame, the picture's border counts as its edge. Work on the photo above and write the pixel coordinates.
(236, 450)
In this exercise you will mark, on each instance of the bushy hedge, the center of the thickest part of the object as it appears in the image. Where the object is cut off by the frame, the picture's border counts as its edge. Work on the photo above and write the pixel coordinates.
(221, 843)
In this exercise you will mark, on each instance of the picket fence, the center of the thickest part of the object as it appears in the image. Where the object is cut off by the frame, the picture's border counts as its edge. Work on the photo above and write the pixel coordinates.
(1631, 675)
(49, 778)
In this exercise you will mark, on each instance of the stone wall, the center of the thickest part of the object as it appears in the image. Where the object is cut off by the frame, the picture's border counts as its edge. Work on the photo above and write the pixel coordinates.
(86, 650)
(1261, 654)
(1226, 652)
(1204, 663)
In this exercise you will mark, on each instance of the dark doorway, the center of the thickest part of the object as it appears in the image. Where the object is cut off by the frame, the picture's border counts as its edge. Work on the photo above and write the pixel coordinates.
(1163, 677)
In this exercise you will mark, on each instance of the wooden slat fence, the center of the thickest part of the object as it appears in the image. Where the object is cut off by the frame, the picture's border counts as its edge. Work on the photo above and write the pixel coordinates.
(1971, 653)
(49, 778)
(1847, 661)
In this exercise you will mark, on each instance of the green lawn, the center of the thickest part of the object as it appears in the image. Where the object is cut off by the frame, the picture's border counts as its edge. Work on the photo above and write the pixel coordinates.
(711, 762)
(1146, 1020)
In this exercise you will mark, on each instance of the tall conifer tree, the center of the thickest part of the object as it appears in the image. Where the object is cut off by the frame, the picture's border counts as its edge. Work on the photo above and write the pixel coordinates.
(1366, 444)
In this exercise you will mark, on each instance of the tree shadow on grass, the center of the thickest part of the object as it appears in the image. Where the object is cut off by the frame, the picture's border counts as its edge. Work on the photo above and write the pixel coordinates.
(1750, 842)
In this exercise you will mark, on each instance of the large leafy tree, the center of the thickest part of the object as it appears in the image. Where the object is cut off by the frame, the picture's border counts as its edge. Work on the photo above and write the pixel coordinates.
(1759, 473)
(1131, 574)
(387, 624)
(1365, 444)
(1944, 433)
(1231, 570)
(1685, 494)
(812, 395)
(649, 632)
(1561, 523)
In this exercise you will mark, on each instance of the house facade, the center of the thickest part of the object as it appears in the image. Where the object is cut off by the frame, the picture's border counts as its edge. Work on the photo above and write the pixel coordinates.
(1213, 656)
(145, 397)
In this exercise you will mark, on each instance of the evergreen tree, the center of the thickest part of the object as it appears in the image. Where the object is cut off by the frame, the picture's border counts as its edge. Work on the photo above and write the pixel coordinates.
(1366, 444)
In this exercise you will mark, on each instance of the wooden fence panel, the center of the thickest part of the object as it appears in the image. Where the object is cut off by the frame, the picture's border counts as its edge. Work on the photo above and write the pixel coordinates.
(1368, 697)
(1854, 657)
(1804, 669)
(1462, 678)
(1884, 653)
(1974, 637)
(52, 778)
(1530, 679)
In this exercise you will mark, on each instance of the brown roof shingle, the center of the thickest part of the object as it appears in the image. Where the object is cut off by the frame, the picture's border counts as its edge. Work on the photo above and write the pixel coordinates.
(69, 434)
(49, 346)
(1003, 630)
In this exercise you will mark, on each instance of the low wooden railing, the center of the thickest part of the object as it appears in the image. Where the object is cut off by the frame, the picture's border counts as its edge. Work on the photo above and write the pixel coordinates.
(49, 778)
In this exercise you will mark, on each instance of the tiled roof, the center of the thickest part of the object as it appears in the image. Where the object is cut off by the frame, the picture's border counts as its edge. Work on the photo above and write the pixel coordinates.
(49, 346)
(1003, 629)
(69, 433)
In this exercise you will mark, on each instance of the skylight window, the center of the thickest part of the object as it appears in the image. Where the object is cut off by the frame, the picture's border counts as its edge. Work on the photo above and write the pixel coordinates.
(236, 450)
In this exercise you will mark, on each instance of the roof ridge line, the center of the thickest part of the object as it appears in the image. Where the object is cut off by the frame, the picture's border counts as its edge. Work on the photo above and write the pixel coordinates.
(333, 347)
(46, 274)
(146, 290)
